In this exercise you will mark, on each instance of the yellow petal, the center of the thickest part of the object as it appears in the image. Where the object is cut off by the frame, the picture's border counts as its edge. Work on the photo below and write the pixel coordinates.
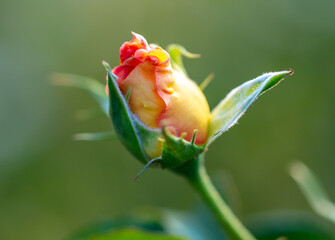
(187, 109)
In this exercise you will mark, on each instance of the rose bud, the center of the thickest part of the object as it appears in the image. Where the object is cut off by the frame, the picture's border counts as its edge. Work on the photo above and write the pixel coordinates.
(160, 114)
(160, 95)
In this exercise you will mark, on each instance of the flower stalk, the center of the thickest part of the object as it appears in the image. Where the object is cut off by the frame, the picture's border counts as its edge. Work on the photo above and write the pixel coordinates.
(195, 172)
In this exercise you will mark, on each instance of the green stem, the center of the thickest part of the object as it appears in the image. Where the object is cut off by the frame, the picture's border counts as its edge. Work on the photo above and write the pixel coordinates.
(195, 172)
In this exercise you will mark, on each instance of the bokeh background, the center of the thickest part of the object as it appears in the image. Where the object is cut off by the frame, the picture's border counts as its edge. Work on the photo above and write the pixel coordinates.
(51, 185)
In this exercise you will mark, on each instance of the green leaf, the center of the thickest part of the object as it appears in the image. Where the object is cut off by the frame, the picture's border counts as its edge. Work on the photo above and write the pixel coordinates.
(196, 224)
(133, 234)
(106, 227)
(232, 107)
(176, 53)
(100, 136)
(177, 151)
(95, 88)
(138, 138)
(312, 189)
(289, 225)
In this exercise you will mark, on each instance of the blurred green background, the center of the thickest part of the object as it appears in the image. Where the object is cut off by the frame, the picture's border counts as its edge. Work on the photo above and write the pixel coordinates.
(51, 185)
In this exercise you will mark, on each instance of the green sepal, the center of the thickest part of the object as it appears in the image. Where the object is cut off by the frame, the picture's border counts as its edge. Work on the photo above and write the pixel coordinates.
(137, 138)
(176, 53)
(206, 82)
(233, 106)
(176, 151)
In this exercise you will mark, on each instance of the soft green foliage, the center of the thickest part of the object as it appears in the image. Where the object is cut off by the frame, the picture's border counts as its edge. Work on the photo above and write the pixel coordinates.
(132, 234)
(100, 136)
(198, 223)
(289, 225)
(132, 221)
(312, 189)
(233, 106)
(95, 88)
